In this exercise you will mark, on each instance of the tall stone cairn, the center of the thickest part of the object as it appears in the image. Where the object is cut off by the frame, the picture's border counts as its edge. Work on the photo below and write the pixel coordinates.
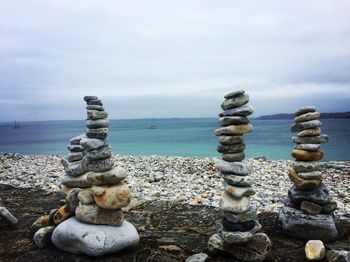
(237, 231)
(308, 212)
(90, 220)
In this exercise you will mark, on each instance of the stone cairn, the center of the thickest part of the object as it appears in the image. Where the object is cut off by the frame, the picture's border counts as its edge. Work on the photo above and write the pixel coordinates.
(90, 220)
(308, 212)
(237, 233)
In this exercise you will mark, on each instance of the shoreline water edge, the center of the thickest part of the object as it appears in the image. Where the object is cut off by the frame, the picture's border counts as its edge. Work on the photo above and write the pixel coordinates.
(190, 180)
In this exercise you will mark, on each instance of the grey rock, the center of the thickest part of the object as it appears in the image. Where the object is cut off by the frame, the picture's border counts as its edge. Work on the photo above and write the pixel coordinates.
(94, 102)
(231, 140)
(315, 175)
(75, 156)
(298, 224)
(234, 94)
(236, 168)
(76, 140)
(199, 257)
(304, 110)
(100, 133)
(235, 102)
(88, 98)
(239, 111)
(72, 168)
(302, 167)
(76, 148)
(94, 240)
(249, 215)
(98, 165)
(254, 250)
(8, 217)
(319, 195)
(338, 256)
(95, 107)
(231, 149)
(86, 197)
(100, 153)
(297, 127)
(235, 237)
(233, 157)
(242, 226)
(310, 208)
(113, 176)
(92, 143)
(93, 214)
(237, 180)
(233, 120)
(234, 205)
(95, 114)
(100, 123)
(308, 147)
(311, 139)
(77, 181)
(42, 237)
(239, 192)
(72, 200)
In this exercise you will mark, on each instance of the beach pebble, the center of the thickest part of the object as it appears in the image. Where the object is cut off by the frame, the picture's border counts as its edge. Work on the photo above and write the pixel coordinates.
(42, 237)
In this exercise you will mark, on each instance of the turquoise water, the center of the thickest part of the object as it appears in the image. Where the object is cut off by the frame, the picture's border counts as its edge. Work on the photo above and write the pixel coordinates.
(179, 136)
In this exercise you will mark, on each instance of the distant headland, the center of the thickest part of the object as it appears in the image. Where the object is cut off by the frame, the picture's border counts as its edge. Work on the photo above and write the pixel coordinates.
(291, 116)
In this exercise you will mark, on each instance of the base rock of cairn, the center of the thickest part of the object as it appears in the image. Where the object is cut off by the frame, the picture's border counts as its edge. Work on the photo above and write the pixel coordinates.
(90, 220)
(308, 212)
(237, 234)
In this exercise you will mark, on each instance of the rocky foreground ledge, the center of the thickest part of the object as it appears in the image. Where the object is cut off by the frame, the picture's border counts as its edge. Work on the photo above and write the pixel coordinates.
(188, 180)
(169, 231)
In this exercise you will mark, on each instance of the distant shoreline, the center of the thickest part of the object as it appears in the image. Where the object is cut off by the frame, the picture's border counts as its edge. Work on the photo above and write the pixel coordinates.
(339, 115)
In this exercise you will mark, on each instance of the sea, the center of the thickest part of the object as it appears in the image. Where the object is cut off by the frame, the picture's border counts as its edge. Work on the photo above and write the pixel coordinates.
(172, 137)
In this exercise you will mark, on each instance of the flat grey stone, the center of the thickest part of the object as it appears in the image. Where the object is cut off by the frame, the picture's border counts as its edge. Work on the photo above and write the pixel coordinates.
(234, 94)
(98, 165)
(237, 168)
(76, 140)
(92, 143)
(238, 191)
(311, 139)
(304, 110)
(113, 176)
(231, 149)
(100, 153)
(8, 217)
(301, 166)
(308, 147)
(239, 111)
(319, 195)
(76, 148)
(100, 133)
(72, 200)
(234, 205)
(231, 140)
(297, 127)
(235, 102)
(199, 257)
(76, 181)
(297, 224)
(249, 215)
(233, 157)
(72, 168)
(88, 98)
(237, 180)
(95, 114)
(233, 120)
(42, 237)
(75, 156)
(93, 240)
(94, 102)
(95, 107)
(100, 123)
(314, 175)
(236, 237)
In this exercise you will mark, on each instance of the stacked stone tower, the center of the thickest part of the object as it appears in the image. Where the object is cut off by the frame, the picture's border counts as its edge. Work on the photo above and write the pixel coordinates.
(308, 213)
(237, 233)
(91, 221)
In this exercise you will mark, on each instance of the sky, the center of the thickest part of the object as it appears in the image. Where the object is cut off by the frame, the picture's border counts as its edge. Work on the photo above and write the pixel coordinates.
(161, 58)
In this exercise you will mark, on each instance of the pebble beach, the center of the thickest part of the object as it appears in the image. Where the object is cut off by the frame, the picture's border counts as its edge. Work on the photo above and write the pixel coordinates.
(187, 179)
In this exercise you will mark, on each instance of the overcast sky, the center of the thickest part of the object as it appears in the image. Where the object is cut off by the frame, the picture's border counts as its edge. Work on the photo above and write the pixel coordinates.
(171, 58)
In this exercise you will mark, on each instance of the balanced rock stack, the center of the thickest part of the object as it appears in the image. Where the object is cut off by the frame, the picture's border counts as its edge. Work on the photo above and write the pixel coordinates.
(90, 220)
(237, 233)
(308, 213)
